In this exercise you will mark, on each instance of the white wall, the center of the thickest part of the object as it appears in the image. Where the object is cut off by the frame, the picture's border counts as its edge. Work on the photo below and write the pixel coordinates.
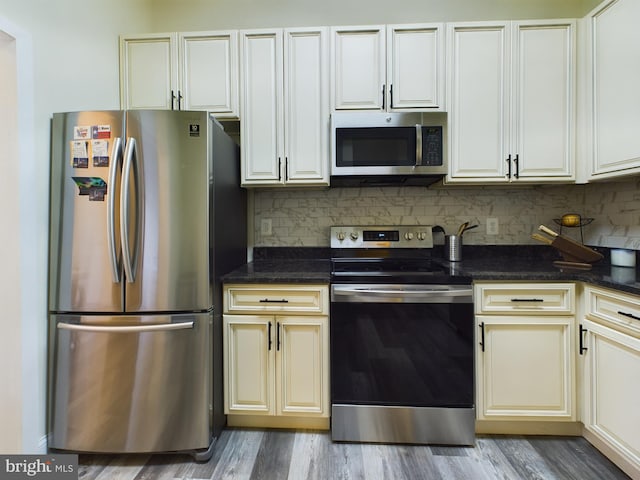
(67, 57)
(10, 316)
(185, 15)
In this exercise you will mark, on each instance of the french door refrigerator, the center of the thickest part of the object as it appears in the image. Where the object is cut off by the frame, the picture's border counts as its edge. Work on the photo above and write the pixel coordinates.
(146, 215)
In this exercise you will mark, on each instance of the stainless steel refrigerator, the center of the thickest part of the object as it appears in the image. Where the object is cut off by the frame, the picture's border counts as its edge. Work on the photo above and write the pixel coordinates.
(146, 215)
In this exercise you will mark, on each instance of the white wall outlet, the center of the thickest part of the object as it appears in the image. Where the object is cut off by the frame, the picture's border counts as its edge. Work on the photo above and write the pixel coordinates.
(265, 227)
(492, 226)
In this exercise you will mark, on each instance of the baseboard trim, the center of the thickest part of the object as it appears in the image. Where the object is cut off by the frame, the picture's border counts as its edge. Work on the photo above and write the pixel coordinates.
(612, 454)
(494, 427)
(261, 421)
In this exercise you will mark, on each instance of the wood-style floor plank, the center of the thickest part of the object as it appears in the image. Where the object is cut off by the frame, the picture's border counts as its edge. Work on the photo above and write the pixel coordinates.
(571, 460)
(526, 461)
(238, 457)
(496, 463)
(274, 457)
(249, 454)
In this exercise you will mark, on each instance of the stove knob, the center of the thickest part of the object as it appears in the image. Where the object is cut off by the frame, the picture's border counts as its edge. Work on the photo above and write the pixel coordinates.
(422, 236)
(354, 236)
(341, 236)
(408, 236)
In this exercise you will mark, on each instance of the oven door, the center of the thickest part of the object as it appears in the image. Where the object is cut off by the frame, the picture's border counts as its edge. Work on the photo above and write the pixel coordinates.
(402, 363)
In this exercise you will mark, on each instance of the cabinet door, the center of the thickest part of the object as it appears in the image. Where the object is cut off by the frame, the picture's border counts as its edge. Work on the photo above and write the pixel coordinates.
(415, 66)
(148, 72)
(303, 365)
(478, 102)
(306, 106)
(615, 48)
(261, 107)
(543, 111)
(359, 70)
(249, 364)
(526, 370)
(209, 72)
(611, 378)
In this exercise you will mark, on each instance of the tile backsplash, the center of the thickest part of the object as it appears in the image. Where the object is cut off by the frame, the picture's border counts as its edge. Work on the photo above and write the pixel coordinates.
(302, 217)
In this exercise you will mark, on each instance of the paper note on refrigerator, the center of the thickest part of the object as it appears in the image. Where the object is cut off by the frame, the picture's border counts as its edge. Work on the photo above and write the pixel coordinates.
(79, 154)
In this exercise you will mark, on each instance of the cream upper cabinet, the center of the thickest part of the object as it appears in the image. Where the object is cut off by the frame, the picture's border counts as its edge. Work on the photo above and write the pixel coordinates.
(180, 71)
(509, 119)
(525, 362)
(388, 67)
(610, 351)
(285, 107)
(149, 71)
(612, 83)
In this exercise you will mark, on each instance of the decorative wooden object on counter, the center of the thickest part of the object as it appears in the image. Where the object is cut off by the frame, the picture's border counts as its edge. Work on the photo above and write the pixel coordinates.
(575, 254)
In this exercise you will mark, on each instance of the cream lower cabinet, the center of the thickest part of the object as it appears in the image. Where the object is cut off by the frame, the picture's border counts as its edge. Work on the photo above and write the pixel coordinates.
(610, 350)
(276, 361)
(525, 368)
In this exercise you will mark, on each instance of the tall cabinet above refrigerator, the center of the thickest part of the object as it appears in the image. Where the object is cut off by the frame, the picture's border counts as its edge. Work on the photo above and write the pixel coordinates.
(146, 215)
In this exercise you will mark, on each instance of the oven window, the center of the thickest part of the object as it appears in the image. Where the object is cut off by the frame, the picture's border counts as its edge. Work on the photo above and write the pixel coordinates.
(402, 354)
(375, 147)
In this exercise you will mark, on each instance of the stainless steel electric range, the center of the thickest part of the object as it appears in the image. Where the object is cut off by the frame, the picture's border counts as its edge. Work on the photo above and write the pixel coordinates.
(402, 336)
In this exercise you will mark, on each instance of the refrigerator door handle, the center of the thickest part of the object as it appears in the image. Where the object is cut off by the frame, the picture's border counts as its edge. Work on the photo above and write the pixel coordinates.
(159, 327)
(128, 261)
(114, 162)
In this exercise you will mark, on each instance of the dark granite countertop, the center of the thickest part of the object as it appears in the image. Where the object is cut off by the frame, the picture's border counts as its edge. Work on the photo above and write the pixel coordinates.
(486, 262)
(281, 271)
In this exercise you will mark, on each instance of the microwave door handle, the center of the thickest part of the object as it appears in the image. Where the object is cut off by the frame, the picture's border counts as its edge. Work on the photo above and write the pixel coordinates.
(418, 145)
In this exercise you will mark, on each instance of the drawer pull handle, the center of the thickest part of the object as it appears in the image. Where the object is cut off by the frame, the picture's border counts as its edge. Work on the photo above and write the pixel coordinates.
(630, 315)
(268, 300)
(527, 300)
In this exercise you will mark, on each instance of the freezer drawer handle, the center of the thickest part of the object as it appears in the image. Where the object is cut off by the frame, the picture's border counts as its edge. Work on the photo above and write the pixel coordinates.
(162, 327)
(538, 300)
(268, 300)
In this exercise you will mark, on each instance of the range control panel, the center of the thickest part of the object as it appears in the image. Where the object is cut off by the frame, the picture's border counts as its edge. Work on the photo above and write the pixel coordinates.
(404, 236)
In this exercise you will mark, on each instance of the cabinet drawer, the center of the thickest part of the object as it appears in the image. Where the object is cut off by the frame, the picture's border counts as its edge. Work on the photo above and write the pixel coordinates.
(525, 298)
(620, 309)
(301, 299)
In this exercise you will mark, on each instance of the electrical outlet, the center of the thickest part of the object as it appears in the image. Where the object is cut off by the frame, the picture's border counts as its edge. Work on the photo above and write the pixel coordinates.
(265, 226)
(492, 226)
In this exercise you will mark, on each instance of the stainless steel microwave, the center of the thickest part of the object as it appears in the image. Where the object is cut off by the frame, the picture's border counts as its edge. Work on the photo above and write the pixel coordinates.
(387, 148)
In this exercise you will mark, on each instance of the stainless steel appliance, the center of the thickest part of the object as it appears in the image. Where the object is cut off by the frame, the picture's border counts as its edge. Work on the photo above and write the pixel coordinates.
(146, 215)
(376, 148)
(402, 337)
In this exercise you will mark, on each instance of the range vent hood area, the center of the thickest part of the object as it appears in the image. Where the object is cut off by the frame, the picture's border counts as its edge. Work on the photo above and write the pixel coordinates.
(384, 180)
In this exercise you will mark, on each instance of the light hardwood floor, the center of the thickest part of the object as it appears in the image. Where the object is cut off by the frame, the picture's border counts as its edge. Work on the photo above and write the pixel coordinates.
(300, 455)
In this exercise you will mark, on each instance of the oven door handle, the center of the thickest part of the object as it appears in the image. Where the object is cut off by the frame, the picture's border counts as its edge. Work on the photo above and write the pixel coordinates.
(383, 294)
